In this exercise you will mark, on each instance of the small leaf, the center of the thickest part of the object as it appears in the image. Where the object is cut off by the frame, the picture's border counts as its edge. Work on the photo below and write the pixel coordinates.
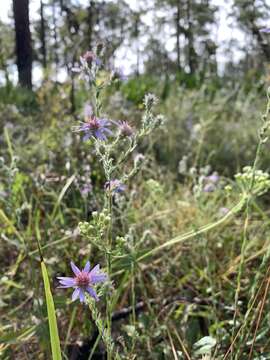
(204, 345)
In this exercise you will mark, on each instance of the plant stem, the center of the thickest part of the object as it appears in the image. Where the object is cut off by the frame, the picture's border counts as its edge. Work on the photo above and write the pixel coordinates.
(109, 265)
(201, 230)
(262, 140)
(133, 302)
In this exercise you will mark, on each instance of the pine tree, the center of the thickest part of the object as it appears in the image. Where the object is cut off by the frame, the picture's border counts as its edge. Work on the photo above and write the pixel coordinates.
(23, 42)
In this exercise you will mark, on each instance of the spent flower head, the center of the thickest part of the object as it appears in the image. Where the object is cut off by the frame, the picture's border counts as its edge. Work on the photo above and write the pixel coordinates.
(88, 66)
(125, 129)
(138, 159)
(149, 101)
(83, 281)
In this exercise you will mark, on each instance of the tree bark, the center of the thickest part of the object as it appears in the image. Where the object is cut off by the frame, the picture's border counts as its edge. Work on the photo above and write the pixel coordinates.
(56, 59)
(192, 56)
(23, 42)
(263, 45)
(91, 9)
(178, 35)
(43, 36)
(136, 33)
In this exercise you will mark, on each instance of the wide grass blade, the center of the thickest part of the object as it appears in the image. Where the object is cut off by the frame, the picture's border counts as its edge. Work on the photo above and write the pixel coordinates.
(54, 336)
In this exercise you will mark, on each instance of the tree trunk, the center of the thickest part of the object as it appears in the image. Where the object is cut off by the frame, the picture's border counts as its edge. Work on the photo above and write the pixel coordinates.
(192, 61)
(263, 45)
(91, 10)
(23, 42)
(136, 33)
(257, 34)
(43, 36)
(56, 59)
(178, 35)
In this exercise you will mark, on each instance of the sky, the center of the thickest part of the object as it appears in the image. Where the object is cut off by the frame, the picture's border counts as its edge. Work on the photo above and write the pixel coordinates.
(225, 31)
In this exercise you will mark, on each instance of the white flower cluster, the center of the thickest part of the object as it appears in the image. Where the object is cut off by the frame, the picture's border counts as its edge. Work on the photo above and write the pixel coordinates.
(252, 181)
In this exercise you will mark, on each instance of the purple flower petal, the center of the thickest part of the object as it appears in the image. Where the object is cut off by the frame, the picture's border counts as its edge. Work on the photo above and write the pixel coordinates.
(86, 137)
(81, 295)
(92, 293)
(84, 127)
(265, 30)
(95, 269)
(99, 135)
(75, 294)
(97, 278)
(98, 61)
(74, 268)
(66, 281)
(87, 267)
(104, 122)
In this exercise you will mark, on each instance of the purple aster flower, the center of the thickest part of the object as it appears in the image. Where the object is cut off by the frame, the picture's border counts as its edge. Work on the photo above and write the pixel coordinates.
(115, 186)
(95, 127)
(85, 190)
(83, 281)
(91, 57)
(211, 182)
(210, 187)
(125, 129)
(213, 178)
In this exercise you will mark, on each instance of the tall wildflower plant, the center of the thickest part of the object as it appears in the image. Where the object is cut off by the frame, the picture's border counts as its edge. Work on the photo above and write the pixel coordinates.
(113, 141)
(252, 183)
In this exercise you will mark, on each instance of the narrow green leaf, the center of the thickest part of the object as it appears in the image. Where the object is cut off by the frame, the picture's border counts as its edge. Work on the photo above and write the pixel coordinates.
(18, 336)
(62, 193)
(54, 336)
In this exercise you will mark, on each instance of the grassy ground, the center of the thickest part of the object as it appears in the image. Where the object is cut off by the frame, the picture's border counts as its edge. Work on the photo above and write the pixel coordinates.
(203, 284)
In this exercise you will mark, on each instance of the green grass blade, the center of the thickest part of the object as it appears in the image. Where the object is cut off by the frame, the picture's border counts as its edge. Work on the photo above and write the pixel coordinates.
(62, 194)
(54, 336)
